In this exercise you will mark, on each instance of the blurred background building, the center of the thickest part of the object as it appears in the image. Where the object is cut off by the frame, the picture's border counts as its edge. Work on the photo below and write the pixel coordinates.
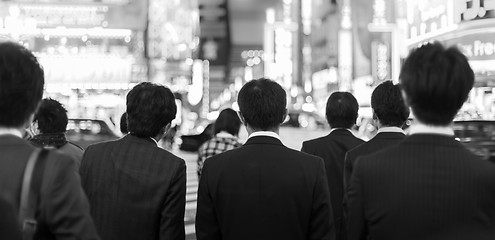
(94, 51)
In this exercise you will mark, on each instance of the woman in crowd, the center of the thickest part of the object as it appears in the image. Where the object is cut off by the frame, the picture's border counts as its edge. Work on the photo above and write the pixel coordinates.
(226, 130)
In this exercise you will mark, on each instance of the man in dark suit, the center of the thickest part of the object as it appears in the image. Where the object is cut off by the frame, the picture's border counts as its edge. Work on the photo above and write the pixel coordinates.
(9, 224)
(389, 114)
(341, 112)
(263, 190)
(63, 209)
(136, 189)
(428, 186)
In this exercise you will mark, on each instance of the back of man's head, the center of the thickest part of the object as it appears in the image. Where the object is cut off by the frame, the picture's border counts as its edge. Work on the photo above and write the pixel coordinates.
(388, 105)
(342, 110)
(21, 84)
(150, 107)
(262, 103)
(437, 82)
(51, 116)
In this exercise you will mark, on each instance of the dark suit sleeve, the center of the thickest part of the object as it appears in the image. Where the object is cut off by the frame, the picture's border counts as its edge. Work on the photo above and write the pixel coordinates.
(172, 216)
(357, 227)
(322, 225)
(207, 226)
(67, 208)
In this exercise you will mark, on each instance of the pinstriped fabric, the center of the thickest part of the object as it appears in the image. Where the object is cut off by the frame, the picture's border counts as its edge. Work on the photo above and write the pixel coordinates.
(427, 187)
(332, 148)
(136, 190)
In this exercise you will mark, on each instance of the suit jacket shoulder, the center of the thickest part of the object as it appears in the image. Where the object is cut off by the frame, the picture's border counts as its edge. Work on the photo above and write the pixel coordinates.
(64, 208)
(431, 182)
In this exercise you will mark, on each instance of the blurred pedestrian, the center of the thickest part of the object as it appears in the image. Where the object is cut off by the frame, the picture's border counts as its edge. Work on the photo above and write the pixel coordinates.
(263, 190)
(390, 113)
(136, 189)
(226, 130)
(57, 202)
(341, 112)
(49, 125)
(429, 186)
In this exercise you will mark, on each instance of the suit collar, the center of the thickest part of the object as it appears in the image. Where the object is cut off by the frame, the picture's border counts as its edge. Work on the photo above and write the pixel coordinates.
(389, 135)
(264, 133)
(431, 139)
(11, 139)
(141, 140)
(340, 130)
(10, 131)
(391, 129)
(263, 140)
(419, 128)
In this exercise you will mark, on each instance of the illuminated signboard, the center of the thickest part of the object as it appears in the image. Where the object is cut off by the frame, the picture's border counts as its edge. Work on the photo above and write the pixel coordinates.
(467, 10)
(477, 46)
(426, 16)
(215, 36)
(117, 14)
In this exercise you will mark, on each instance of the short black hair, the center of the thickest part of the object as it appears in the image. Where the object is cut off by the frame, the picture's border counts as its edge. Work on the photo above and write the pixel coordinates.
(228, 121)
(51, 116)
(150, 107)
(262, 103)
(21, 84)
(123, 123)
(388, 105)
(342, 110)
(437, 82)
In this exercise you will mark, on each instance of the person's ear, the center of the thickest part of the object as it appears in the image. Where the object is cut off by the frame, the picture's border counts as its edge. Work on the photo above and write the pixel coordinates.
(374, 114)
(166, 128)
(243, 121)
(406, 99)
(286, 112)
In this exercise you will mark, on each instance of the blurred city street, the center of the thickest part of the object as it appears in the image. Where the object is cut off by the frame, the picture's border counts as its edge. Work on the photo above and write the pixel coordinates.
(291, 137)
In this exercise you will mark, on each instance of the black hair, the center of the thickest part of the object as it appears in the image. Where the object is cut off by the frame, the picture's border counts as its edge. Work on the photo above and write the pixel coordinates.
(150, 107)
(388, 105)
(123, 123)
(342, 110)
(51, 116)
(262, 103)
(228, 121)
(437, 82)
(21, 84)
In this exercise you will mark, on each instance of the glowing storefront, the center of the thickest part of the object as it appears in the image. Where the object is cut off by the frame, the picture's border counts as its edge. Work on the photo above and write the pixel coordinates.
(468, 24)
(92, 51)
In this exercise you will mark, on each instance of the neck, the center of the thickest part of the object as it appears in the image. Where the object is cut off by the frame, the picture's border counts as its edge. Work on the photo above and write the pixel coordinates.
(418, 122)
(250, 130)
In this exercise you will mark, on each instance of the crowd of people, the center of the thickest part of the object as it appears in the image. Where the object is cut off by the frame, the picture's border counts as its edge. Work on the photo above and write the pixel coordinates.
(423, 185)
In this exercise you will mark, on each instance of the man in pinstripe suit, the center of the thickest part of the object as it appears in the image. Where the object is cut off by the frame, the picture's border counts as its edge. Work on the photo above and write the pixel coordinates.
(136, 189)
(428, 186)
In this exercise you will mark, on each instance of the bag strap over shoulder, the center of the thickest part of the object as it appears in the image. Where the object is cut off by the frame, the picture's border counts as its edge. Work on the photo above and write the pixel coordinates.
(30, 191)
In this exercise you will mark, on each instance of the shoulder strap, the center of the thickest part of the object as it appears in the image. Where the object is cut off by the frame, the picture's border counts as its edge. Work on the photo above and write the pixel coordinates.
(30, 191)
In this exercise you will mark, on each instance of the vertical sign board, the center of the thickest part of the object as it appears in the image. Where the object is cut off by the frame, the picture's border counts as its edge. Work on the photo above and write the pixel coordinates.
(214, 43)
(381, 57)
(215, 36)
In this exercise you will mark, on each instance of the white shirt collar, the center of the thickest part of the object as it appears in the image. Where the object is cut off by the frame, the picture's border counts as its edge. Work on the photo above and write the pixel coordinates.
(391, 129)
(11, 131)
(223, 134)
(418, 128)
(334, 129)
(264, 133)
(154, 140)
